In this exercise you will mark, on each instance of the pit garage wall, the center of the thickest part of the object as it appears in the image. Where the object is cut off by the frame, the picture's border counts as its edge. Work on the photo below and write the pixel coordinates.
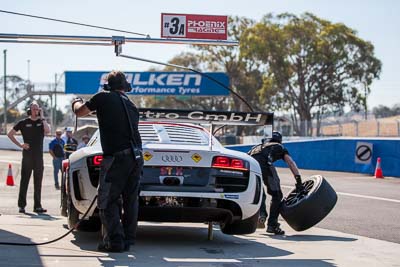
(339, 155)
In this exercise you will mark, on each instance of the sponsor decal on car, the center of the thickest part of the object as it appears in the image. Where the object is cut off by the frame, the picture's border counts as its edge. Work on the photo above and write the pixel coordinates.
(147, 156)
(230, 196)
(196, 157)
(171, 158)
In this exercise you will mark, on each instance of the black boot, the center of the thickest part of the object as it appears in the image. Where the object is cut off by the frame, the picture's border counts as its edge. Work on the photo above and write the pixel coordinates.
(275, 230)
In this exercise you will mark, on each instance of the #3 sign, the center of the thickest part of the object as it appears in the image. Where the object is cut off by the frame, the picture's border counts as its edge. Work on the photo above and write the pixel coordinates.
(194, 26)
(363, 153)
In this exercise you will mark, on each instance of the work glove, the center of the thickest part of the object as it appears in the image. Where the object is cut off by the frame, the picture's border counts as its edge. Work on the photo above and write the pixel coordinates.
(299, 184)
(78, 99)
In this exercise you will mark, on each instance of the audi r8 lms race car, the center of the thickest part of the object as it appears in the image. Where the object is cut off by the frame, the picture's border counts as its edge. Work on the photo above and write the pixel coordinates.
(188, 176)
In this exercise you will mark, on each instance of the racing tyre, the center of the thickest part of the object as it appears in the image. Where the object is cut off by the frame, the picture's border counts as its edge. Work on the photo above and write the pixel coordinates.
(72, 213)
(63, 194)
(247, 226)
(304, 210)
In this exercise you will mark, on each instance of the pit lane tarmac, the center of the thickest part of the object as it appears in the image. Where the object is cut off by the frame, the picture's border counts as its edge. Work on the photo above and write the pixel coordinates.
(166, 244)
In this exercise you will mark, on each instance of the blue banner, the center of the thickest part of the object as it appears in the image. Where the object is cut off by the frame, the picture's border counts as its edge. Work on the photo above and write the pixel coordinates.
(150, 83)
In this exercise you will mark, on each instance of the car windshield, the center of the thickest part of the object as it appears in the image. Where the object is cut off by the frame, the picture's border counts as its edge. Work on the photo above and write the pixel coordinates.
(167, 133)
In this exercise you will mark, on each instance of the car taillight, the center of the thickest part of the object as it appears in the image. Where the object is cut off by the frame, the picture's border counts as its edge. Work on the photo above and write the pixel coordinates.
(229, 163)
(237, 163)
(64, 165)
(97, 160)
(220, 162)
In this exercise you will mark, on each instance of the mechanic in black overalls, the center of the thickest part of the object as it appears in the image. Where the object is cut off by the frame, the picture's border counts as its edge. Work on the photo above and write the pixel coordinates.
(121, 167)
(266, 154)
(33, 130)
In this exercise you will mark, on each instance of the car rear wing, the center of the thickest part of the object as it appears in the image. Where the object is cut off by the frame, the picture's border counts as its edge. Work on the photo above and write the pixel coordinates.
(210, 117)
(207, 117)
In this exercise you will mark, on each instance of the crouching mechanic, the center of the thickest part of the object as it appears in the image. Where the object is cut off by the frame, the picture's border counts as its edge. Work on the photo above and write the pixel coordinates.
(266, 154)
(122, 162)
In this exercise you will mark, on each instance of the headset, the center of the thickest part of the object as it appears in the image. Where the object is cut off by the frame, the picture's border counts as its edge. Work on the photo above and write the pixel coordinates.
(29, 111)
(116, 82)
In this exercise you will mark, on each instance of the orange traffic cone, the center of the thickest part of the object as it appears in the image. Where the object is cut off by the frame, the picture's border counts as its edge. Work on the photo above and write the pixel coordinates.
(378, 169)
(10, 178)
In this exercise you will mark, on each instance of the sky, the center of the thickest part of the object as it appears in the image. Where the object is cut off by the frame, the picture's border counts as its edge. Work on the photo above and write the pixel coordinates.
(374, 21)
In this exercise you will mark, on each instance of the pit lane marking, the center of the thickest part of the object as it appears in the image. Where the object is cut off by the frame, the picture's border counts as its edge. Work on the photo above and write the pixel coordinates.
(357, 195)
(19, 162)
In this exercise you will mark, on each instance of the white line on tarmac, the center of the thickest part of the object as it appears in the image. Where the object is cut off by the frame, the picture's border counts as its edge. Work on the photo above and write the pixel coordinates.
(359, 196)
(19, 162)
(10, 161)
(199, 260)
(369, 197)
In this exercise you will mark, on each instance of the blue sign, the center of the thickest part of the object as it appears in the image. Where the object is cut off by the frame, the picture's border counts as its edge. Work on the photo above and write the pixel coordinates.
(150, 83)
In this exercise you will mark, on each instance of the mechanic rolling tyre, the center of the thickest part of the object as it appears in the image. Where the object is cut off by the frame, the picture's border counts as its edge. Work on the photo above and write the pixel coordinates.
(247, 226)
(63, 194)
(72, 213)
(307, 208)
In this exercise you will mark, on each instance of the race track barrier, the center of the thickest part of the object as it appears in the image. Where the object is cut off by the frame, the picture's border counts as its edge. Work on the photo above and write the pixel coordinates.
(339, 154)
(6, 144)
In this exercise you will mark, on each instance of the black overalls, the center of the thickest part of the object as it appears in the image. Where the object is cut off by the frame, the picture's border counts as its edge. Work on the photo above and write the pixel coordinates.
(266, 154)
(120, 172)
(32, 160)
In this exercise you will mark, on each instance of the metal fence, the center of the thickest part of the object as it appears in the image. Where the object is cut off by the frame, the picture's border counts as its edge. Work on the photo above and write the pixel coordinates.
(344, 126)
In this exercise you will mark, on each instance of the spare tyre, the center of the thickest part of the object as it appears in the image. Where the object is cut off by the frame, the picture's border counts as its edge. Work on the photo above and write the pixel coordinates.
(305, 209)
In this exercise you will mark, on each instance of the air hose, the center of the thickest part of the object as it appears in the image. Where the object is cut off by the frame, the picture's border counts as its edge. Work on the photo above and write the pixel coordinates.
(56, 239)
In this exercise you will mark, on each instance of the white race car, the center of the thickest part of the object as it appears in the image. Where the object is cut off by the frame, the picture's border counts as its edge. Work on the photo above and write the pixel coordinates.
(188, 176)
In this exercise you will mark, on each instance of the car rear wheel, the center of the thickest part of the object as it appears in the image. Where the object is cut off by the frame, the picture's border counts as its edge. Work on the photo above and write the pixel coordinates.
(244, 227)
(304, 210)
(64, 197)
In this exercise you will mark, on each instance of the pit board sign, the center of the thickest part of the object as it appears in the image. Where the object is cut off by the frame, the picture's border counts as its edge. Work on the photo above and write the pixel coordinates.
(193, 26)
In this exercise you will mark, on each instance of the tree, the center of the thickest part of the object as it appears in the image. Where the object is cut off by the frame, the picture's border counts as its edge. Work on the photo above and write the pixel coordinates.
(16, 87)
(312, 66)
(246, 75)
(185, 59)
(12, 115)
(382, 111)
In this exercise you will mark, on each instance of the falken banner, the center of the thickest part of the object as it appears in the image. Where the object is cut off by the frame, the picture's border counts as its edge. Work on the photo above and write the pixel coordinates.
(150, 83)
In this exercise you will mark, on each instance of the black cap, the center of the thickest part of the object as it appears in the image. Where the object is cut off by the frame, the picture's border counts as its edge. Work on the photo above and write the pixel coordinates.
(276, 137)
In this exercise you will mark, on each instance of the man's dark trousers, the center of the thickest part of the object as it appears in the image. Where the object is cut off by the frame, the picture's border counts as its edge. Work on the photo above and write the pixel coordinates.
(272, 182)
(119, 175)
(31, 161)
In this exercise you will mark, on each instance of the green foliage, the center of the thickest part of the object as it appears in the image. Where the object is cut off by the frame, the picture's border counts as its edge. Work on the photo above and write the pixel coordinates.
(12, 115)
(312, 65)
(382, 111)
(245, 75)
(302, 64)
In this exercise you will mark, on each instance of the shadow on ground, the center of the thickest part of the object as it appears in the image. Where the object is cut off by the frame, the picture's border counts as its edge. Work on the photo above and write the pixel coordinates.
(39, 216)
(17, 255)
(160, 245)
(312, 238)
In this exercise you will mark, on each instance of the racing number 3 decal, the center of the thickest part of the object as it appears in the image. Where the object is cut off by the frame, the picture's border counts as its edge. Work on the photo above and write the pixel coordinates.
(174, 26)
